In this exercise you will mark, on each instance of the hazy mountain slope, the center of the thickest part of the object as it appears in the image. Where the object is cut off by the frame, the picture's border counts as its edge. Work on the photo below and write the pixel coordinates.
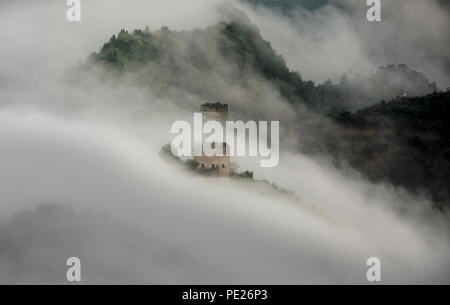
(232, 63)
(405, 141)
(384, 84)
(229, 54)
(233, 54)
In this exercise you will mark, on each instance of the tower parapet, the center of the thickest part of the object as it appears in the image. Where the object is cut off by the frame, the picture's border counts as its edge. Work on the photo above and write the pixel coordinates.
(214, 107)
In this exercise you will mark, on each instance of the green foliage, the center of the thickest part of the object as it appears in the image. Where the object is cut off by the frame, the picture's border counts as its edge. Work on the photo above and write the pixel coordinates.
(245, 46)
(191, 164)
(263, 186)
(140, 46)
(428, 113)
(244, 174)
(197, 62)
(234, 172)
(386, 83)
(186, 60)
(404, 141)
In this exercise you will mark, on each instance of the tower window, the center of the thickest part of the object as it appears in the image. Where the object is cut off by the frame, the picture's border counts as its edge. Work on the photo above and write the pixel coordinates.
(223, 165)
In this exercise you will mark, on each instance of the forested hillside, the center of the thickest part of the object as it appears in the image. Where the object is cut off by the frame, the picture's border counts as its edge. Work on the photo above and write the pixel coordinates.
(234, 53)
(403, 141)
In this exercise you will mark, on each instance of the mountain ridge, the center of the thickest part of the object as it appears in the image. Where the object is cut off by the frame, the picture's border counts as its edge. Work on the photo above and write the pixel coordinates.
(216, 62)
(234, 50)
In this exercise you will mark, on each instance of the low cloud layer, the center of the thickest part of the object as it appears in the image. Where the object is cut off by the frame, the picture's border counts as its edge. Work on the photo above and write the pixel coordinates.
(81, 176)
(74, 188)
(337, 38)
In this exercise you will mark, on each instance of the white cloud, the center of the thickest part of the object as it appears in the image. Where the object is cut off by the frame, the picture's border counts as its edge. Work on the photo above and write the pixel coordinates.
(132, 218)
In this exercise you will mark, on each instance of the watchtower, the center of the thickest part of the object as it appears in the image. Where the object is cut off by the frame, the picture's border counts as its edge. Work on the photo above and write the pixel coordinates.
(219, 165)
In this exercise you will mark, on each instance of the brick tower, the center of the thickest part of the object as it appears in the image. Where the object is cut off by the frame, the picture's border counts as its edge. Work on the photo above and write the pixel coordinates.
(218, 165)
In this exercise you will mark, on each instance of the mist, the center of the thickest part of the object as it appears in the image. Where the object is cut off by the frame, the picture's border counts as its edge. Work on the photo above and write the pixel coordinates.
(82, 176)
(337, 38)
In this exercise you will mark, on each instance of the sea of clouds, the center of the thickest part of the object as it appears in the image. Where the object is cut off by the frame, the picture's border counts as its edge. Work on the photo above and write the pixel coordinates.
(81, 175)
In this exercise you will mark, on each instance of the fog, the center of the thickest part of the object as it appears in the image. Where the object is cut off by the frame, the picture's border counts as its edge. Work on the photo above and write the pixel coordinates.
(82, 176)
(337, 38)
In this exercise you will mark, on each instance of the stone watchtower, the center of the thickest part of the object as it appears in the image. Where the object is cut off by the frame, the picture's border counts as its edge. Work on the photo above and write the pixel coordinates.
(219, 165)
